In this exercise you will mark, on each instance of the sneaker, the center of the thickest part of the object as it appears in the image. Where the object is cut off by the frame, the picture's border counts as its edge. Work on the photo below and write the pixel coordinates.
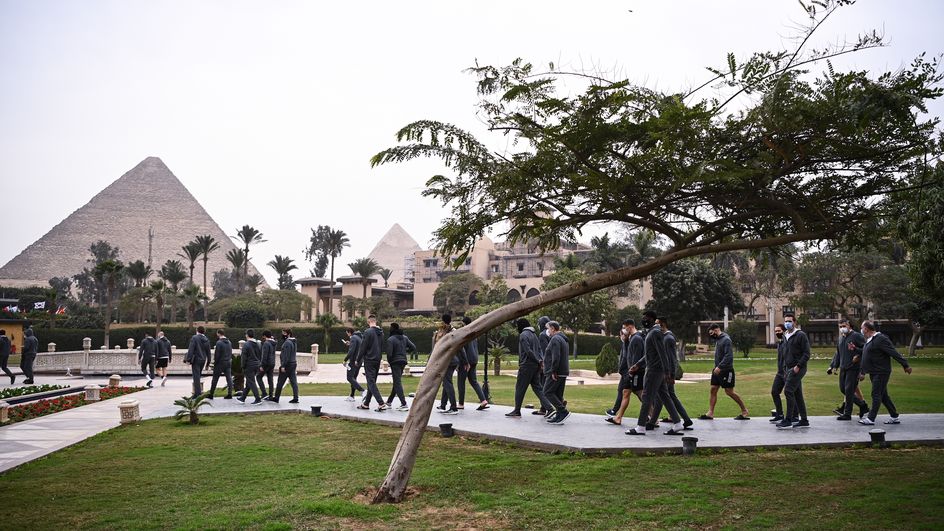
(863, 411)
(264, 397)
(638, 430)
(255, 402)
(802, 423)
(839, 409)
(776, 418)
(451, 412)
(784, 425)
(241, 400)
(404, 407)
(292, 401)
(550, 414)
(274, 400)
(687, 425)
(540, 412)
(513, 414)
(163, 381)
(866, 421)
(559, 418)
(844, 417)
(440, 408)
(209, 397)
(349, 399)
(390, 405)
(893, 420)
(228, 397)
(610, 412)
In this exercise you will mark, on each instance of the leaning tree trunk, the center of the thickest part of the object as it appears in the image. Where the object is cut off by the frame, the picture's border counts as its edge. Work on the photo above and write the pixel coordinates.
(915, 336)
(395, 483)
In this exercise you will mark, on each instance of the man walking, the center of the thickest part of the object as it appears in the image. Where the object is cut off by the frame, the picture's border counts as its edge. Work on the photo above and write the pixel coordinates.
(671, 347)
(28, 355)
(222, 364)
(776, 389)
(198, 355)
(163, 356)
(251, 355)
(472, 358)
(288, 366)
(5, 348)
(529, 368)
(876, 362)
(398, 345)
(268, 365)
(632, 352)
(796, 354)
(556, 370)
(655, 383)
(848, 360)
(353, 367)
(369, 355)
(147, 357)
(722, 376)
(458, 360)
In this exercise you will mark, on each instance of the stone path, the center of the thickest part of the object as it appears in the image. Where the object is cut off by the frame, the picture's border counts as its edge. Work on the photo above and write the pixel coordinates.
(25, 441)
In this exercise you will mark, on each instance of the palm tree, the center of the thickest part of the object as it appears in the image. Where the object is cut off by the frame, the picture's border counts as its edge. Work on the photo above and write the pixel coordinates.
(109, 272)
(172, 273)
(139, 272)
(336, 242)
(248, 236)
(191, 252)
(157, 290)
(253, 282)
(207, 244)
(282, 266)
(193, 298)
(364, 268)
(237, 257)
(190, 406)
(327, 322)
(385, 274)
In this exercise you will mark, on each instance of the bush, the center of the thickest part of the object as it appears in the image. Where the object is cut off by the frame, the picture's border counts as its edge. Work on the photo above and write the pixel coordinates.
(246, 313)
(607, 360)
(743, 334)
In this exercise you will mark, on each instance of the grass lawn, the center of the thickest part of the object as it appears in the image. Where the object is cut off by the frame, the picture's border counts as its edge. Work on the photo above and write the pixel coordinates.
(296, 471)
(920, 392)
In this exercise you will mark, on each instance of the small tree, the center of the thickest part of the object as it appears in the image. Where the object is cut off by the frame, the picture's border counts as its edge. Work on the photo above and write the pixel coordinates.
(109, 272)
(328, 321)
(580, 312)
(743, 335)
(607, 361)
(190, 406)
(452, 294)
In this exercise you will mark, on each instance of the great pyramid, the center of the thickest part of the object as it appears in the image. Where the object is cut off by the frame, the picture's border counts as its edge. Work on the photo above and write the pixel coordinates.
(149, 197)
(395, 246)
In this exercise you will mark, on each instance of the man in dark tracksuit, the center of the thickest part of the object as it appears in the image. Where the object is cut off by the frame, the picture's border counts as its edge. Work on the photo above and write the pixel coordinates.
(268, 365)
(28, 355)
(251, 356)
(655, 383)
(529, 368)
(163, 356)
(556, 370)
(796, 354)
(458, 360)
(777, 387)
(350, 362)
(222, 364)
(398, 345)
(722, 376)
(288, 366)
(671, 347)
(369, 356)
(147, 357)
(632, 352)
(472, 358)
(847, 360)
(543, 338)
(198, 355)
(5, 348)
(877, 363)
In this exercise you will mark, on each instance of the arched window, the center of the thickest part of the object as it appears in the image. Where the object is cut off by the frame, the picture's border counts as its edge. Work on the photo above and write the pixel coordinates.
(533, 292)
(513, 296)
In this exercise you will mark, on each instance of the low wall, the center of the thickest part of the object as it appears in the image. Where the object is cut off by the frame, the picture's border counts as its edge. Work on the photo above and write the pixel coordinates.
(125, 361)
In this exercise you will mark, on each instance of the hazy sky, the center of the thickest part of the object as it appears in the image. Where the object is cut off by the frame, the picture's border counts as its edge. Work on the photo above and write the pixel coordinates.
(281, 104)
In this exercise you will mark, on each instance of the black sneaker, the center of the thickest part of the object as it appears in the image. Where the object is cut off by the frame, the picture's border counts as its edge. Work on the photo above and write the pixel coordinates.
(274, 400)
(292, 401)
(687, 425)
(844, 417)
(228, 397)
(241, 400)
(540, 412)
(560, 417)
(255, 402)
(863, 411)
(784, 425)
(803, 423)
(651, 427)
(610, 412)
(776, 418)
(513, 414)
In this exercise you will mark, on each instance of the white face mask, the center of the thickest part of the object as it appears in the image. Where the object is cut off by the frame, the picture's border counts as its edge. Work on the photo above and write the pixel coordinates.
(844, 330)
(788, 325)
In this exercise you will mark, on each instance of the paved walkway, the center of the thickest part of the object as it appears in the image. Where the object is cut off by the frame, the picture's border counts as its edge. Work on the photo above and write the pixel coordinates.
(25, 441)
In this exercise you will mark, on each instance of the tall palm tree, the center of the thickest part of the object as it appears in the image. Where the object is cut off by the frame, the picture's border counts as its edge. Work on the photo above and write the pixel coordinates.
(248, 236)
(385, 274)
(157, 291)
(207, 244)
(335, 243)
(193, 298)
(364, 268)
(237, 257)
(191, 253)
(172, 273)
(282, 266)
(110, 273)
(139, 272)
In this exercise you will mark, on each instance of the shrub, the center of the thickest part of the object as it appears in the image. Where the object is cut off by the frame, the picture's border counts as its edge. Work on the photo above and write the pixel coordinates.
(607, 360)
(743, 334)
(246, 313)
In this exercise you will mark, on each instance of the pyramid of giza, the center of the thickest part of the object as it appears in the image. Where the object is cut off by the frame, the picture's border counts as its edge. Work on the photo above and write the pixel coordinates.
(147, 197)
(392, 249)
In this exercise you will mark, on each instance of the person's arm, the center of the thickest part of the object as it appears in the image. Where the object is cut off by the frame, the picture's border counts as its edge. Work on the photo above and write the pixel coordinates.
(893, 353)
(351, 351)
(727, 354)
(804, 351)
(362, 349)
(410, 347)
(834, 363)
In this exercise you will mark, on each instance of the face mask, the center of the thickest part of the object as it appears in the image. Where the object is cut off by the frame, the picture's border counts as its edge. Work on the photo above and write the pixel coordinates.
(844, 330)
(779, 335)
(788, 325)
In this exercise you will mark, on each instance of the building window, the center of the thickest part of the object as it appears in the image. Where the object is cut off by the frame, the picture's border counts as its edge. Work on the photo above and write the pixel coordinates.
(431, 262)
(520, 266)
(468, 261)
(788, 309)
(494, 268)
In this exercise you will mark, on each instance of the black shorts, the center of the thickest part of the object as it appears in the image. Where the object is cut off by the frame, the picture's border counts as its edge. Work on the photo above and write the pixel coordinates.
(725, 379)
(162, 362)
(633, 382)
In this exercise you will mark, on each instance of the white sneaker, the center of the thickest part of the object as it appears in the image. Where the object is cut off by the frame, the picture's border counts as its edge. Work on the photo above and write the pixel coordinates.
(866, 421)
(163, 381)
(349, 399)
(893, 420)
(403, 408)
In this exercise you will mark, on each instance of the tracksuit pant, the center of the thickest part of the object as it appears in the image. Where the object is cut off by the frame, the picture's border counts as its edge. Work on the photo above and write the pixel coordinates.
(250, 373)
(288, 372)
(529, 374)
(352, 379)
(793, 390)
(553, 389)
(880, 395)
(147, 367)
(850, 382)
(226, 370)
(776, 389)
(449, 391)
(371, 370)
(471, 377)
(261, 378)
(397, 372)
(654, 387)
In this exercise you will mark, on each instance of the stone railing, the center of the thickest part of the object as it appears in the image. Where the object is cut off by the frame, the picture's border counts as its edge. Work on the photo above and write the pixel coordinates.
(125, 361)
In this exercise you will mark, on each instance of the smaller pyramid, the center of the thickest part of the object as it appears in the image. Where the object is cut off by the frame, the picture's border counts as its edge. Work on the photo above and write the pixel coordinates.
(391, 252)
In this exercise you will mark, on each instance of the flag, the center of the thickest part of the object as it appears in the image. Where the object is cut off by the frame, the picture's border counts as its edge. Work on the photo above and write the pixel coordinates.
(13, 309)
(61, 310)
(39, 305)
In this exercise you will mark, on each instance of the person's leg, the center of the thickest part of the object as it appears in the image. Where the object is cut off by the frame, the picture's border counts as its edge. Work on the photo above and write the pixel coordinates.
(881, 381)
(292, 370)
(619, 393)
(790, 385)
(372, 371)
(460, 383)
(712, 400)
(800, 402)
(352, 379)
(144, 368)
(3, 365)
(269, 375)
(217, 371)
(666, 399)
(448, 388)
(737, 398)
(649, 388)
(775, 390)
(196, 371)
(550, 393)
(850, 388)
(538, 387)
(251, 385)
(474, 382)
(521, 384)
(228, 373)
(397, 391)
(678, 405)
(624, 403)
(260, 383)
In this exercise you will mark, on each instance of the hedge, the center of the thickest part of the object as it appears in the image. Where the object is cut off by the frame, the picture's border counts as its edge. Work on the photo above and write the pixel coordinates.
(67, 339)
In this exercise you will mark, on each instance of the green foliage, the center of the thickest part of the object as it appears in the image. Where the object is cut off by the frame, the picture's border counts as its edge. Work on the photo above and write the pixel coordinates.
(245, 313)
(190, 407)
(615, 318)
(494, 293)
(743, 335)
(580, 312)
(607, 361)
(283, 267)
(919, 218)
(327, 321)
(452, 294)
(689, 291)
(11, 392)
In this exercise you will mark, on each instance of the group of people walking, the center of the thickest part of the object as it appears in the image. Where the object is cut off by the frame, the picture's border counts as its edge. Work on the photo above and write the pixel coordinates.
(27, 355)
